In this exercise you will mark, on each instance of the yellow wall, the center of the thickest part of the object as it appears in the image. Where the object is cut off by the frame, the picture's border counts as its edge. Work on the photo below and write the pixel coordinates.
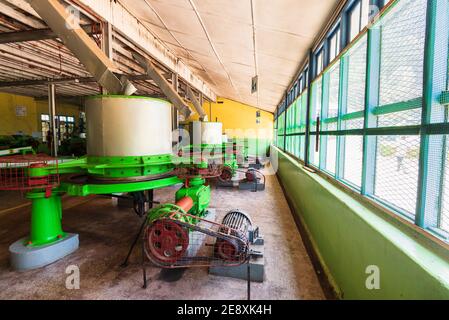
(30, 124)
(239, 120)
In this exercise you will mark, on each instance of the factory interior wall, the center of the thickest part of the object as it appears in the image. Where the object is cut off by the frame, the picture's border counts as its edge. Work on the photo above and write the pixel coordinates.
(28, 123)
(349, 236)
(240, 121)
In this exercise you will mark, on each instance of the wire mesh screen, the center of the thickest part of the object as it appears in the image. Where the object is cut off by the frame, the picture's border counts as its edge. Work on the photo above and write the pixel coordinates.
(353, 123)
(353, 159)
(314, 155)
(334, 95)
(281, 128)
(356, 59)
(329, 146)
(303, 112)
(443, 219)
(317, 92)
(402, 60)
(440, 81)
(397, 170)
(302, 147)
(289, 144)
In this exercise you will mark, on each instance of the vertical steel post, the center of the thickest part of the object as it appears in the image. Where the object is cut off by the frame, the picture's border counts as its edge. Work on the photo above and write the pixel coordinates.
(371, 102)
(308, 107)
(322, 139)
(52, 112)
(342, 109)
(175, 119)
(285, 122)
(431, 164)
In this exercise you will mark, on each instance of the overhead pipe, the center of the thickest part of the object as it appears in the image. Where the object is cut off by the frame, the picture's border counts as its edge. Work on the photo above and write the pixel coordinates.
(197, 104)
(59, 19)
(170, 92)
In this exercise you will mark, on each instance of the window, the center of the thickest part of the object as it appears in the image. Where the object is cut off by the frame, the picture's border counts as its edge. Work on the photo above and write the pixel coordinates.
(358, 17)
(306, 77)
(377, 151)
(334, 43)
(301, 84)
(45, 126)
(319, 61)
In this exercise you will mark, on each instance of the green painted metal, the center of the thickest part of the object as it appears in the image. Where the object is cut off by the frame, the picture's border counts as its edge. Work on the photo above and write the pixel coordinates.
(382, 131)
(46, 218)
(126, 167)
(200, 194)
(371, 102)
(398, 107)
(444, 98)
(166, 210)
(95, 189)
(435, 81)
(381, 110)
(342, 108)
(324, 112)
(197, 191)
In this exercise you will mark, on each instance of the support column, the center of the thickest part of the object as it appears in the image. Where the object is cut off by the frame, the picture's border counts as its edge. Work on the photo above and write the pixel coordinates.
(432, 153)
(175, 119)
(106, 45)
(343, 102)
(371, 102)
(52, 112)
(311, 75)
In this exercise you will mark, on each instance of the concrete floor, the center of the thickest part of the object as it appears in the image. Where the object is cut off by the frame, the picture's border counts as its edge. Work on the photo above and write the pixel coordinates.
(107, 231)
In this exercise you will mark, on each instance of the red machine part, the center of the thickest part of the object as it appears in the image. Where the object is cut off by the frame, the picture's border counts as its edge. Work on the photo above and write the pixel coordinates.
(168, 241)
(226, 175)
(212, 171)
(227, 250)
(14, 172)
(185, 204)
(250, 176)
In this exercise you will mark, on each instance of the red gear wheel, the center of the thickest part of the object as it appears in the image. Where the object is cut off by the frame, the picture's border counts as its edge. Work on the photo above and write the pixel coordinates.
(166, 241)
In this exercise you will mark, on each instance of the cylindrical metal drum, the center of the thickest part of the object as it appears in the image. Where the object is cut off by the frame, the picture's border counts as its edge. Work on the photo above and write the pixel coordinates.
(211, 133)
(125, 126)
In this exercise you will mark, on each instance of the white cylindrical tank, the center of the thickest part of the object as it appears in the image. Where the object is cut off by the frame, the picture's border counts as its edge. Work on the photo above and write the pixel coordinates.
(211, 132)
(120, 126)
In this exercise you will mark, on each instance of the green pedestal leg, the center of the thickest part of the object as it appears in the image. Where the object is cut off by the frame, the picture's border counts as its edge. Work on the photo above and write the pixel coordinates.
(45, 219)
(47, 242)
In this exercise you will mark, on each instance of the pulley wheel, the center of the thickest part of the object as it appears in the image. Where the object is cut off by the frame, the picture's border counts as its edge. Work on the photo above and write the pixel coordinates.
(166, 241)
(227, 250)
(226, 175)
(250, 175)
